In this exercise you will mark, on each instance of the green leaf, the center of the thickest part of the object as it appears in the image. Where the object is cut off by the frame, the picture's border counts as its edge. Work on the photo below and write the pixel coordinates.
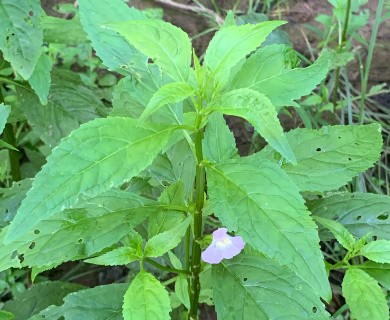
(165, 219)
(21, 36)
(341, 234)
(168, 46)
(232, 44)
(131, 97)
(268, 71)
(5, 315)
(378, 251)
(170, 93)
(67, 31)
(4, 113)
(330, 157)
(99, 303)
(183, 164)
(10, 200)
(165, 241)
(78, 233)
(379, 271)
(259, 111)
(243, 289)
(218, 143)
(122, 150)
(181, 290)
(360, 213)
(365, 298)
(247, 197)
(123, 255)
(39, 297)
(116, 53)
(40, 78)
(70, 105)
(146, 291)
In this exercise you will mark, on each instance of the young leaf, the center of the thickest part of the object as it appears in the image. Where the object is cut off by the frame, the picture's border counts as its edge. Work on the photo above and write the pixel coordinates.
(146, 291)
(98, 303)
(116, 53)
(168, 46)
(39, 297)
(131, 97)
(378, 251)
(170, 93)
(40, 78)
(247, 198)
(121, 150)
(365, 298)
(165, 241)
(243, 290)
(122, 255)
(4, 113)
(259, 111)
(231, 44)
(379, 271)
(341, 234)
(181, 290)
(360, 213)
(78, 233)
(330, 157)
(267, 71)
(165, 219)
(218, 144)
(21, 36)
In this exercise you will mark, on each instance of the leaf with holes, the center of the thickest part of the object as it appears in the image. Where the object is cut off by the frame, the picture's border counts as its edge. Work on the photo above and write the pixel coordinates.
(360, 213)
(268, 71)
(365, 298)
(10, 200)
(330, 157)
(122, 149)
(21, 36)
(378, 251)
(243, 290)
(232, 43)
(246, 197)
(98, 303)
(80, 232)
(168, 46)
(146, 291)
(116, 53)
(259, 111)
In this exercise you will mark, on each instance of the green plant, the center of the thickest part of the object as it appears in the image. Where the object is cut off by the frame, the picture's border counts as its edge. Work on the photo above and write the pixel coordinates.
(147, 182)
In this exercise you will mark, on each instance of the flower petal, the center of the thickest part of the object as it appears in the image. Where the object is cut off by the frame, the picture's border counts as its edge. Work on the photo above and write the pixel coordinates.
(219, 234)
(212, 255)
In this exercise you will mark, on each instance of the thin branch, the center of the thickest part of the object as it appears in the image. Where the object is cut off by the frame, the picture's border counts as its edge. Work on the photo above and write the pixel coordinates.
(197, 9)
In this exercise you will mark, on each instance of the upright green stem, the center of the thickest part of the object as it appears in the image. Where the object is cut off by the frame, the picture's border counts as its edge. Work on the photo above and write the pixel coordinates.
(341, 46)
(200, 185)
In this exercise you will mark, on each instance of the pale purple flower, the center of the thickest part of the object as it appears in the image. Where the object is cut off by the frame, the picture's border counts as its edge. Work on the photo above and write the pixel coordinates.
(223, 246)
